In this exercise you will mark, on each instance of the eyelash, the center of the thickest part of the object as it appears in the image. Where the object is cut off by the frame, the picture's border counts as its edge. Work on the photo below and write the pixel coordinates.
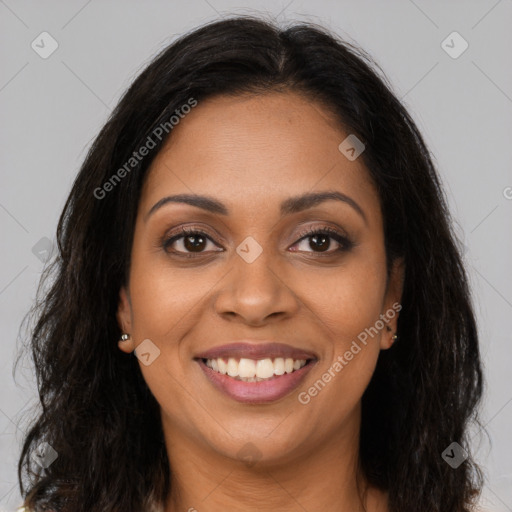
(345, 243)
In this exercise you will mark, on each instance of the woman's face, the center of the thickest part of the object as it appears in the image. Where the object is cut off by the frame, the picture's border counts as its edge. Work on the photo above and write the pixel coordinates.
(255, 276)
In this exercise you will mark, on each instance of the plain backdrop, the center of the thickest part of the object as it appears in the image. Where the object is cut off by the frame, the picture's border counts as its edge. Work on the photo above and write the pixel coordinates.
(53, 107)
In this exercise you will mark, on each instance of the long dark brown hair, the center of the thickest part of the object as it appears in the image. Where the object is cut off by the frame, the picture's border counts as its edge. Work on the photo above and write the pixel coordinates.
(97, 412)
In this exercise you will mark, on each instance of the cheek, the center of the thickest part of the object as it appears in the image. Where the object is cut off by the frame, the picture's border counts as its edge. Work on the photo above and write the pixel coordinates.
(163, 298)
(347, 308)
(164, 302)
(350, 299)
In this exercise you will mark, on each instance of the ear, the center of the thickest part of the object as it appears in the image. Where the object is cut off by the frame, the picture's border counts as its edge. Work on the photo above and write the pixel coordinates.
(392, 303)
(124, 320)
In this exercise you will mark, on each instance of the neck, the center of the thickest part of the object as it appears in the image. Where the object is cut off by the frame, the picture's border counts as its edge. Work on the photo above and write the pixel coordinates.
(321, 477)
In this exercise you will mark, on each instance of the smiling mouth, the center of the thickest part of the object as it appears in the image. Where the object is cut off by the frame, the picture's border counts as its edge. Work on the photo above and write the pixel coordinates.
(255, 370)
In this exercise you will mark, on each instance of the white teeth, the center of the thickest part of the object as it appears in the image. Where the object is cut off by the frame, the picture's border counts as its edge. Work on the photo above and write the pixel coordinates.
(251, 370)
(264, 368)
(232, 370)
(278, 366)
(222, 365)
(246, 368)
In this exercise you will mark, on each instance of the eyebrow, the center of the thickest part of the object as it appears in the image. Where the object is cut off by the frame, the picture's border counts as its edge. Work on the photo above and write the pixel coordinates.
(288, 206)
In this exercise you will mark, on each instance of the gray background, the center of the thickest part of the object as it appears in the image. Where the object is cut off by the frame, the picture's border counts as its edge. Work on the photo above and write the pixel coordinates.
(53, 108)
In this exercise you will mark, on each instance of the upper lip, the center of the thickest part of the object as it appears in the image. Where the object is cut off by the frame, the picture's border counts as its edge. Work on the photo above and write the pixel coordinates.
(258, 350)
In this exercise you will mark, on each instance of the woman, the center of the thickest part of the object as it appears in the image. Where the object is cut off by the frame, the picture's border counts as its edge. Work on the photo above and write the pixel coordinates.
(261, 225)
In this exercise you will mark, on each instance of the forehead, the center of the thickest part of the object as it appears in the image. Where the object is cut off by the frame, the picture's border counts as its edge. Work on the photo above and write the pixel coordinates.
(254, 149)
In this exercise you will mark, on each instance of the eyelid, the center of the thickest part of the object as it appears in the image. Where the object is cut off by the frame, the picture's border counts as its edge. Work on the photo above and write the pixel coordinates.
(323, 228)
(339, 235)
(182, 232)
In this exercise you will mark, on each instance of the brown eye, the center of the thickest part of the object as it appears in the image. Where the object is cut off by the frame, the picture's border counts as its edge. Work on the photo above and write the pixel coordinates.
(320, 240)
(194, 243)
(188, 242)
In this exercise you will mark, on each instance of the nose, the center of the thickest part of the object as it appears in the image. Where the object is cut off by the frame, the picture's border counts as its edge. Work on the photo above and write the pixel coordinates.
(256, 292)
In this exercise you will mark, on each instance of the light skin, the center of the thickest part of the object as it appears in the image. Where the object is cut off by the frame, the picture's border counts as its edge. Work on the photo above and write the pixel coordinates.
(251, 153)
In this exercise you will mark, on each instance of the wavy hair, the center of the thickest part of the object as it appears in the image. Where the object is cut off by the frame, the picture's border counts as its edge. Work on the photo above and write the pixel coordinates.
(97, 412)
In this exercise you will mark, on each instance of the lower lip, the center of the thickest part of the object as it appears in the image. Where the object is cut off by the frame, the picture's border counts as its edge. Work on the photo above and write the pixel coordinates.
(257, 392)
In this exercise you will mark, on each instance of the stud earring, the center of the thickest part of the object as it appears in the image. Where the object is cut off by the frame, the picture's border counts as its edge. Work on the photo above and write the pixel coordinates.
(124, 337)
(394, 338)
